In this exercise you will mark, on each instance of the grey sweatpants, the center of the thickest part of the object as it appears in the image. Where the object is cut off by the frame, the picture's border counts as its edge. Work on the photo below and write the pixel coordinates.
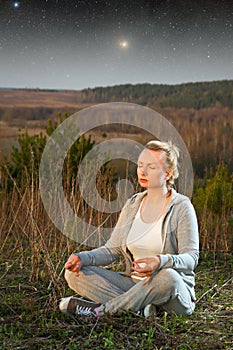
(116, 292)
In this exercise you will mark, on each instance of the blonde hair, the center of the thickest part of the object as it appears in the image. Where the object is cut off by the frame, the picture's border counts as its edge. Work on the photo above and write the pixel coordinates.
(171, 158)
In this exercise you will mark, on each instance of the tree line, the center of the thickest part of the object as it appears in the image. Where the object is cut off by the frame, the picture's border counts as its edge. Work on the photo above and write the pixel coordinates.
(190, 95)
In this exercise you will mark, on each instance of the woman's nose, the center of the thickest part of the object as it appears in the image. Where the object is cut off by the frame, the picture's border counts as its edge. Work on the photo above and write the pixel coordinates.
(143, 170)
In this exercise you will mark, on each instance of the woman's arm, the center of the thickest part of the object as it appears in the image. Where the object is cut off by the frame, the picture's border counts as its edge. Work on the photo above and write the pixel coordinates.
(99, 256)
(187, 239)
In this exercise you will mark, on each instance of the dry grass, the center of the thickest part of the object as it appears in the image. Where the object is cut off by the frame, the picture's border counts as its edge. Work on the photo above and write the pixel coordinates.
(32, 255)
(29, 98)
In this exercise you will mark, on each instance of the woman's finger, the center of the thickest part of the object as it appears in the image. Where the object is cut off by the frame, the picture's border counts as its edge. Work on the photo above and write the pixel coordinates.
(146, 280)
(141, 274)
(72, 261)
(142, 269)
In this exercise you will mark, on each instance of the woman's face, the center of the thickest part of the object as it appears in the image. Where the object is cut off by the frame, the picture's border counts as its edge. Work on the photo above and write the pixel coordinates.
(151, 169)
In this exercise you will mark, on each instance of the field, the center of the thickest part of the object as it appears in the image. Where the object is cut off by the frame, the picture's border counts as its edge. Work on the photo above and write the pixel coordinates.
(30, 110)
(33, 251)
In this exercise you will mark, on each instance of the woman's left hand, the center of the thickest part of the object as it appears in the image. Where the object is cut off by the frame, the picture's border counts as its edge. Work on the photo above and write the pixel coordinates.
(145, 267)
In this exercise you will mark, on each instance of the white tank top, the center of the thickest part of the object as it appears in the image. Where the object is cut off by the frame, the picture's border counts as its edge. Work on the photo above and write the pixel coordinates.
(144, 240)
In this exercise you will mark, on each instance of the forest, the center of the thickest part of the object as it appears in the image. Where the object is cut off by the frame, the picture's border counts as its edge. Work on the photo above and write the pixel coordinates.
(191, 95)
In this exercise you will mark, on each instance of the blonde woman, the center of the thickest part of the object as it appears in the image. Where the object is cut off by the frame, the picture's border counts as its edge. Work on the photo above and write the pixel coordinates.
(157, 236)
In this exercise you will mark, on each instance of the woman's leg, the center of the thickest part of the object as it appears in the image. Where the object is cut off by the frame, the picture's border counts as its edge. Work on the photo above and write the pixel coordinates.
(116, 292)
(98, 284)
(166, 289)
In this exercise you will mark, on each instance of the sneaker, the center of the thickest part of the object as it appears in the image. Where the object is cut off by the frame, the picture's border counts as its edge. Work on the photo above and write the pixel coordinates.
(78, 306)
(149, 310)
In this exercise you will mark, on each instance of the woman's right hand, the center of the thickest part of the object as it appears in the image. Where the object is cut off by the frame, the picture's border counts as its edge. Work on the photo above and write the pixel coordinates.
(74, 264)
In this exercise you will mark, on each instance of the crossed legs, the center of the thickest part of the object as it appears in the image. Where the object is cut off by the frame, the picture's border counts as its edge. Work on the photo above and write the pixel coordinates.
(116, 292)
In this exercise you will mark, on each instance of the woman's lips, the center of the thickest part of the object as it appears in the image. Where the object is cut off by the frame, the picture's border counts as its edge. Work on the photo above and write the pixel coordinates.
(143, 180)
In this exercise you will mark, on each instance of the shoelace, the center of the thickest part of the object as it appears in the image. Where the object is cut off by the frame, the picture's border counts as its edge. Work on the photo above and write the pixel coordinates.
(84, 311)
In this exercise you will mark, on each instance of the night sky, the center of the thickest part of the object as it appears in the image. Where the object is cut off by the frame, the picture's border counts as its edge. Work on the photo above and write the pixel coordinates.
(79, 44)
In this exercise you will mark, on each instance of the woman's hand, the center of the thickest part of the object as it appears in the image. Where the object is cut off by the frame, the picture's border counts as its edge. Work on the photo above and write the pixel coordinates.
(145, 267)
(74, 264)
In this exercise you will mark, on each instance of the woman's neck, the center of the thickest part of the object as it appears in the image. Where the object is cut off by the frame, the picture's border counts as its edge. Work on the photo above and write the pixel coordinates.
(154, 204)
(155, 195)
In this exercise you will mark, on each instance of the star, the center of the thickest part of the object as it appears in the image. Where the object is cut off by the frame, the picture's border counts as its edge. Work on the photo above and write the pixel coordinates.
(123, 44)
(16, 4)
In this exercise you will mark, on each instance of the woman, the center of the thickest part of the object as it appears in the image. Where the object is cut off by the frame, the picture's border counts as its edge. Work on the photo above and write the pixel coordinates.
(157, 236)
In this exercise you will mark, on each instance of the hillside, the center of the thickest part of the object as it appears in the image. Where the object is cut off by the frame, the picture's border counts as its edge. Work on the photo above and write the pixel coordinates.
(190, 95)
(201, 112)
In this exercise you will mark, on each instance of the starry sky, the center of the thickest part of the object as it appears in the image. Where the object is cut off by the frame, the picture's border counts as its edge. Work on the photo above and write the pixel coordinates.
(58, 44)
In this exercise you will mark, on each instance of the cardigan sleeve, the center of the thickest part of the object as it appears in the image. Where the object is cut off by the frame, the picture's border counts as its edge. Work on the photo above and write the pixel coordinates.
(187, 240)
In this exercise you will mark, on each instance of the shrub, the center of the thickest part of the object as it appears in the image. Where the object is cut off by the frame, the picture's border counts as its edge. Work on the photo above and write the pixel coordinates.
(213, 201)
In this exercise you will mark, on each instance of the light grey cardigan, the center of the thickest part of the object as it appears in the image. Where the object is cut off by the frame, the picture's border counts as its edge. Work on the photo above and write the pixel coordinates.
(180, 238)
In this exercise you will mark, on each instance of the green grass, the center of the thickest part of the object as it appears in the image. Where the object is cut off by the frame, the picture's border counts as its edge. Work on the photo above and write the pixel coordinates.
(30, 319)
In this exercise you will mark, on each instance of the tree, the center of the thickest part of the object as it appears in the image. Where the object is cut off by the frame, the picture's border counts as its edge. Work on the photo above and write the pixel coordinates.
(23, 164)
(24, 161)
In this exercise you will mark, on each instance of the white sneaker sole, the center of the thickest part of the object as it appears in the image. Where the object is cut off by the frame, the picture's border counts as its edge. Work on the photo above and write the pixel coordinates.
(149, 310)
(63, 306)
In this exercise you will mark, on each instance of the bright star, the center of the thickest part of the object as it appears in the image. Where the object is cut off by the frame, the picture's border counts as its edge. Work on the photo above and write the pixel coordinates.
(16, 4)
(124, 44)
